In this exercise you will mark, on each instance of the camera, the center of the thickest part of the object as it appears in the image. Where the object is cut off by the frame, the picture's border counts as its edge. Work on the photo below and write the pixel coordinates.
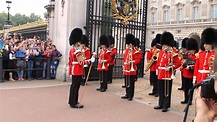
(207, 88)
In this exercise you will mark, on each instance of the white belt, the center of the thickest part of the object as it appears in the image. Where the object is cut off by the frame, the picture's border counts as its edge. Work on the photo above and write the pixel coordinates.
(162, 68)
(203, 71)
(74, 62)
(85, 65)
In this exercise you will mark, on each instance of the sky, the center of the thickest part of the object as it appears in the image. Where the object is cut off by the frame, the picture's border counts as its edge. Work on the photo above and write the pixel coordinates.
(25, 7)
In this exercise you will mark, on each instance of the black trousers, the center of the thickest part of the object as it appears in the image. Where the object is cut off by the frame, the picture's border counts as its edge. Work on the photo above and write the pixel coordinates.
(110, 72)
(85, 75)
(130, 85)
(165, 88)
(183, 83)
(187, 85)
(74, 90)
(103, 79)
(154, 81)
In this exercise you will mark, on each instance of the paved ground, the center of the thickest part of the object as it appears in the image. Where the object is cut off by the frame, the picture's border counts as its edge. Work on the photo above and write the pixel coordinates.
(46, 101)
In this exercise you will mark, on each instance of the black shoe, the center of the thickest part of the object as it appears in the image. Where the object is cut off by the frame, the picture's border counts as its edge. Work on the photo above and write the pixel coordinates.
(151, 93)
(130, 99)
(184, 102)
(98, 89)
(158, 107)
(77, 106)
(164, 109)
(102, 90)
(125, 97)
(181, 88)
(156, 95)
(123, 86)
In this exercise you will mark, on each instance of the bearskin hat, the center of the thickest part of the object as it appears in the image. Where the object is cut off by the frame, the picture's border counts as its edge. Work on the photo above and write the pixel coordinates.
(191, 44)
(215, 42)
(103, 40)
(75, 36)
(184, 42)
(85, 40)
(208, 36)
(137, 42)
(111, 39)
(153, 43)
(167, 39)
(202, 46)
(175, 44)
(196, 37)
(157, 38)
(130, 39)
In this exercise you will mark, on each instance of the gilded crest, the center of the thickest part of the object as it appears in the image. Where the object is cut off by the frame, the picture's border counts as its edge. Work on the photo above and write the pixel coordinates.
(125, 10)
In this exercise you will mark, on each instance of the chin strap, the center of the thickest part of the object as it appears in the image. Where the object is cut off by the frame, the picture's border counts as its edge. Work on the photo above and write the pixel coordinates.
(190, 93)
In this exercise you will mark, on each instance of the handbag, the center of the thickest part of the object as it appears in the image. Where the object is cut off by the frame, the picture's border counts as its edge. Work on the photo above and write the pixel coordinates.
(20, 63)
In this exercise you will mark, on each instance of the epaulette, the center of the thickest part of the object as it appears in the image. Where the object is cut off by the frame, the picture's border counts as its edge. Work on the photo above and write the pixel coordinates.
(147, 50)
(137, 51)
(175, 54)
(197, 55)
(108, 51)
(124, 51)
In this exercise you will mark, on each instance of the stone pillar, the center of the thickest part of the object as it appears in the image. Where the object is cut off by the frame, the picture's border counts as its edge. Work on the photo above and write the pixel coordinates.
(68, 14)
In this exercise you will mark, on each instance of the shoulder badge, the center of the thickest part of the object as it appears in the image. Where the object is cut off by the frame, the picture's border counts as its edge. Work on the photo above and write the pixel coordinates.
(197, 55)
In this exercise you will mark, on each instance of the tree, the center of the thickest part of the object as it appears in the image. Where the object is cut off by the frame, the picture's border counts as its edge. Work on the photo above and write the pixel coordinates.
(18, 19)
(3, 18)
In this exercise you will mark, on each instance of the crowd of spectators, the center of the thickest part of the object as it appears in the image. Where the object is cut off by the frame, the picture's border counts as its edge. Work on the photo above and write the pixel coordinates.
(28, 58)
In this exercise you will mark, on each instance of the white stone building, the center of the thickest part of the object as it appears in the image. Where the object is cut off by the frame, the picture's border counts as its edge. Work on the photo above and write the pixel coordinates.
(180, 17)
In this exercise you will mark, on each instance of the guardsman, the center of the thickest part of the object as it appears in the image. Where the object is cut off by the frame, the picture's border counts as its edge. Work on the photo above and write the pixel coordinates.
(103, 63)
(131, 60)
(202, 68)
(137, 47)
(181, 54)
(188, 67)
(152, 56)
(87, 54)
(113, 51)
(75, 66)
(167, 62)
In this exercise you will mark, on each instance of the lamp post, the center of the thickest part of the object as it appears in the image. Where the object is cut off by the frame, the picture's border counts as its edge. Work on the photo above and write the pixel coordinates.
(8, 23)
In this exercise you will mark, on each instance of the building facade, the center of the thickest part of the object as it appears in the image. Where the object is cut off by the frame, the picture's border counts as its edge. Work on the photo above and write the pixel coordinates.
(183, 18)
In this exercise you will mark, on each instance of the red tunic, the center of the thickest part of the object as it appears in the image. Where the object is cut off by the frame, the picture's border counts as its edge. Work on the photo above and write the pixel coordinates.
(112, 54)
(164, 59)
(87, 55)
(149, 57)
(201, 70)
(104, 55)
(74, 67)
(186, 72)
(134, 56)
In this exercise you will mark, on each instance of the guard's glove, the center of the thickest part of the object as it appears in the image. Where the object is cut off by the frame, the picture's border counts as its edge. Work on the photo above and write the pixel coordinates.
(92, 59)
(194, 80)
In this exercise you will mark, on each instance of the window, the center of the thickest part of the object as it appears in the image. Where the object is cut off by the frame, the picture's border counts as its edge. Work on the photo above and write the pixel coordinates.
(179, 14)
(214, 11)
(153, 17)
(195, 12)
(165, 16)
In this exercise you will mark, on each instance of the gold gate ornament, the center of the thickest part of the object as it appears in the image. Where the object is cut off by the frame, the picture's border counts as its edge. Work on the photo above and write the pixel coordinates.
(124, 10)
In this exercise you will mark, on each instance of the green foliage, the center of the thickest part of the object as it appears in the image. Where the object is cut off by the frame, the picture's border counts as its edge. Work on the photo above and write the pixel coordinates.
(18, 19)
